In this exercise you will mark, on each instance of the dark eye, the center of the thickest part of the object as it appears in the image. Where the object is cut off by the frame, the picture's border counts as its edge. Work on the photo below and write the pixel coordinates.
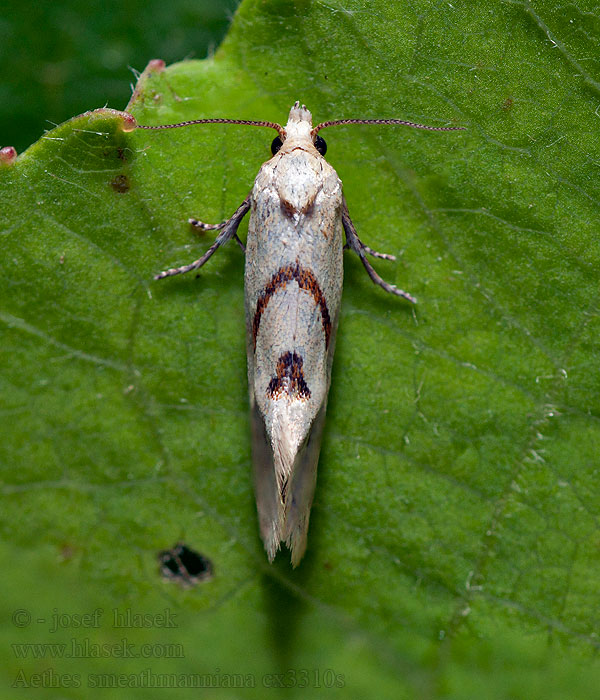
(320, 145)
(276, 144)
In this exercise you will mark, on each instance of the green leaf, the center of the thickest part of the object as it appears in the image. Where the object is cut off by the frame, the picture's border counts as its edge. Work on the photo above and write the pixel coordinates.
(453, 547)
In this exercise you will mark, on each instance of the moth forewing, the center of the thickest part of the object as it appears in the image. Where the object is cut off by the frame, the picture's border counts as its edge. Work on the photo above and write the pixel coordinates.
(293, 287)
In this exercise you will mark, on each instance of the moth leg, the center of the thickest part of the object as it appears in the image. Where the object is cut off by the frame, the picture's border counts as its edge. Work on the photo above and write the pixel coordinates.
(229, 230)
(207, 227)
(354, 243)
(202, 226)
(374, 253)
(241, 245)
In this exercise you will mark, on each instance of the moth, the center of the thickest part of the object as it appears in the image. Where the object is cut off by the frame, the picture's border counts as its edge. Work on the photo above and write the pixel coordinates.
(293, 289)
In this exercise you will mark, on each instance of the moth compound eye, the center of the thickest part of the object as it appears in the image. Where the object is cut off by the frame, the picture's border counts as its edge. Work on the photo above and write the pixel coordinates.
(320, 145)
(276, 144)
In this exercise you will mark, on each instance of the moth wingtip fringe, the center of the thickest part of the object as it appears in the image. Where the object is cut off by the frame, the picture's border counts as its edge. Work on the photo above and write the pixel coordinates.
(272, 541)
(272, 550)
(296, 543)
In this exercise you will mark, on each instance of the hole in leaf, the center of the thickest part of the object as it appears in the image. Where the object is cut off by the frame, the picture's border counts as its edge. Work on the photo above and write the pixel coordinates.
(184, 566)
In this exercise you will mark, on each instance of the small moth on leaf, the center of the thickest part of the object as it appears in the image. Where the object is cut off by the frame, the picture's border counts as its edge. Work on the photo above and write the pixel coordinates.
(293, 289)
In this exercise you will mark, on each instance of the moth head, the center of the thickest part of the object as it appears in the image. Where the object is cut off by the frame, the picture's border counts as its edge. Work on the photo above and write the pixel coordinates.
(298, 132)
(299, 114)
(318, 142)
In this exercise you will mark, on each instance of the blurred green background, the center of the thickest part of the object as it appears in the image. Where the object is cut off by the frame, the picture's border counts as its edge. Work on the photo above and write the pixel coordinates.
(62, 58)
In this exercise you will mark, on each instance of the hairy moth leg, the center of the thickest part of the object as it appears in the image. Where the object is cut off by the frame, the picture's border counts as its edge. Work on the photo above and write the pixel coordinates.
(229, 230)
(202, 226)
(354, 243)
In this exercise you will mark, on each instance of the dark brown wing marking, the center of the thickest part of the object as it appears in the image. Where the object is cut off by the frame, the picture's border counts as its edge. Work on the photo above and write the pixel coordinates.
(289, 378)
(306, 280)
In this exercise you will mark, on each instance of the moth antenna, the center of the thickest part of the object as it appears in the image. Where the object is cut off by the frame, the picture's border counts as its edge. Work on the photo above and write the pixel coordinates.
(245, 122)
(400, 122)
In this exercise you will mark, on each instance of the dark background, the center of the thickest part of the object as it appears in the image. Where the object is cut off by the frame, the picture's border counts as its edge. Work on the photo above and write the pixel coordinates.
(59, 59)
